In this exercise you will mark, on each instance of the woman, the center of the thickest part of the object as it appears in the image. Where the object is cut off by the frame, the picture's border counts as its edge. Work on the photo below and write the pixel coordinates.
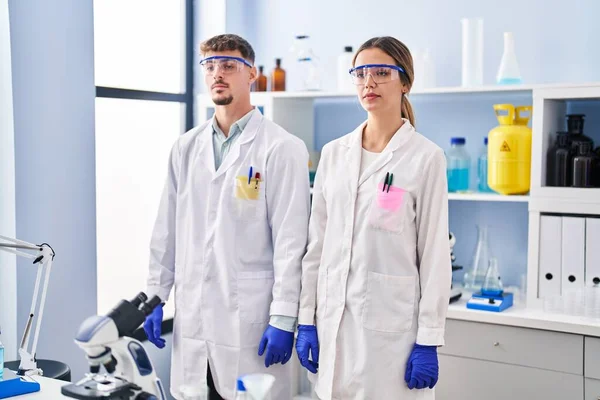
(377, 273)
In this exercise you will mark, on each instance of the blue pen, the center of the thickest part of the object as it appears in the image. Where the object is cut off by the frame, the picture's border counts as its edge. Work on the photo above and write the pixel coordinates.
(250, 175)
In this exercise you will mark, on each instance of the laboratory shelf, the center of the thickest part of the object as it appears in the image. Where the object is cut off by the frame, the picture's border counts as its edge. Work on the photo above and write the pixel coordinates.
(586, 195)
(264, 97)
(521, 316)
(487, 197)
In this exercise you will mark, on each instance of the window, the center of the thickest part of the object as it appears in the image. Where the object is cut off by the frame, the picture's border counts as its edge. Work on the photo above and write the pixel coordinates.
(144, 101)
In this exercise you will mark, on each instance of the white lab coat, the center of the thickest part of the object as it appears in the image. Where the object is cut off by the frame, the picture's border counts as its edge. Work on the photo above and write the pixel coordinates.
(377, 271)
(233, 261)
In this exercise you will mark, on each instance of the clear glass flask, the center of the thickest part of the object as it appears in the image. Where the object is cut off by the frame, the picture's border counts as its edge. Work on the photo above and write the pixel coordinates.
(508, 72)
(475, 276)
(492, 285)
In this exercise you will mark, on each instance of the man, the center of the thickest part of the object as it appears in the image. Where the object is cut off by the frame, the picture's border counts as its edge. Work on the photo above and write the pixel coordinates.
(230, 235)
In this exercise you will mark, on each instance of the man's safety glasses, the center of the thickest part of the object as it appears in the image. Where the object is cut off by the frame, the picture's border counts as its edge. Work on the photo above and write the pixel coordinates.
(225, 64)
(380, 73)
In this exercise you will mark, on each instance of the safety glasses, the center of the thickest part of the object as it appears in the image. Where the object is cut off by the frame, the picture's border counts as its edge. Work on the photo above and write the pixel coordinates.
(380, 73)
(225, 64)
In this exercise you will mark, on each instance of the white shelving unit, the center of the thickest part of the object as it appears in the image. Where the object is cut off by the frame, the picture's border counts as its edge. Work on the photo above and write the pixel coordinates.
(295, 112)
(487, 197)
(549, 110)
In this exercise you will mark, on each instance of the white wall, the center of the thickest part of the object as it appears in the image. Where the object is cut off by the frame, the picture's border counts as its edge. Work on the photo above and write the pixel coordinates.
(553, 37)
(8, 272)
(53, 98)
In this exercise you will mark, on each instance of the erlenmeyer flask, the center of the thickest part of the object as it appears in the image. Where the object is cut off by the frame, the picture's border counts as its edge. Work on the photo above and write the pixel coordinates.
(492, 285)
(475, 276)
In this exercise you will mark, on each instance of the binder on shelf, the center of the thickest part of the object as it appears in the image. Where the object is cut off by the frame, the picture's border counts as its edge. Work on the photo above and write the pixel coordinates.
(592, 252)
(550, 256)
(573, 253)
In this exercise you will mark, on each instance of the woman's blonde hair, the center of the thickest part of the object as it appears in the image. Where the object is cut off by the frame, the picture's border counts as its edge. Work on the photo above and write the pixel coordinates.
(403, 59)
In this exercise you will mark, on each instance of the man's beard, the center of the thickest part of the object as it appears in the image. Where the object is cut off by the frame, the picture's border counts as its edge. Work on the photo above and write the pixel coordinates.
(223, 101)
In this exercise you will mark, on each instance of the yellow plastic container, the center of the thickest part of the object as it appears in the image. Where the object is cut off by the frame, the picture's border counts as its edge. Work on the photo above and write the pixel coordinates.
(509, 150)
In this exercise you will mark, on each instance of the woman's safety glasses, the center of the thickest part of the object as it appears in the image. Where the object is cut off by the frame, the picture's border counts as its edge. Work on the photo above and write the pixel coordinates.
(225, 64)
(380, 73)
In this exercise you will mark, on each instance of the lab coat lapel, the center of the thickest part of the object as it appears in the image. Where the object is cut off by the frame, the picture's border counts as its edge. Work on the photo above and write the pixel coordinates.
(353, 155)
(401, 136)
(206, 152)
(246, 136)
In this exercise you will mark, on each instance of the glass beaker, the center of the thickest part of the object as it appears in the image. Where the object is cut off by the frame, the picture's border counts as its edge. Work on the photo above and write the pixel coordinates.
(492, 286)
(475, 276)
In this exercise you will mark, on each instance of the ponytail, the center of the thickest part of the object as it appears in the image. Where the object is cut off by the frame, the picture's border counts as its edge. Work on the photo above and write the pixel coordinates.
(407, 110)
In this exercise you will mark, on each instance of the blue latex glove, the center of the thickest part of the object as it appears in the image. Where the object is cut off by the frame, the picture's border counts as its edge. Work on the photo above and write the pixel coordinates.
(278, 344)
(307, 340)
(152, 326)
(422, 368)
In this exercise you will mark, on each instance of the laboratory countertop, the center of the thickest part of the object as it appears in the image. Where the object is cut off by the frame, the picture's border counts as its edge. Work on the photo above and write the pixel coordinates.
(520, 316)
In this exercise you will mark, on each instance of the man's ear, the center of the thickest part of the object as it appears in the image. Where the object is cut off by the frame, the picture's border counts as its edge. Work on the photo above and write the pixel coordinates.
(253, 74)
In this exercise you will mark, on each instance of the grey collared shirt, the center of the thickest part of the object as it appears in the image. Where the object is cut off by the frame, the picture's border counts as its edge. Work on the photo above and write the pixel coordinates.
(221, 143)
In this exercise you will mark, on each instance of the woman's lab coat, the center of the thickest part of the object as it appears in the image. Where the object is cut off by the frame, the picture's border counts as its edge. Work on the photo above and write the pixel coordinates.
(377, 272)
(233, 251)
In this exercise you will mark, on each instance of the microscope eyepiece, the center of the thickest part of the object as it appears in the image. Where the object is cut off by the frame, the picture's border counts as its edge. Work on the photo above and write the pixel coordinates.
(147, 308)
(139, 299)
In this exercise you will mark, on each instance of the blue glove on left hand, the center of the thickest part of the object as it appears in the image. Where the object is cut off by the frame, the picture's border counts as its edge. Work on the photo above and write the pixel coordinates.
(152, 326)
(308, 340)
(422, 368)
(278, 344)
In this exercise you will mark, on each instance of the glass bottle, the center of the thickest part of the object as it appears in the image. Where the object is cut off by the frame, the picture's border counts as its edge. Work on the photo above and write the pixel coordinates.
(582, 166)
(458, 163)
(492, 285)
(475, 276)
(278, 77)
(482, 169)
(261, 81)
(1, 356)
(559, 162)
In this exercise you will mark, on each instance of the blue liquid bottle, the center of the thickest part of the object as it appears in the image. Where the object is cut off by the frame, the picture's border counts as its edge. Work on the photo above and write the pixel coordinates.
(482, 170)
(1, 356)
(458, 164)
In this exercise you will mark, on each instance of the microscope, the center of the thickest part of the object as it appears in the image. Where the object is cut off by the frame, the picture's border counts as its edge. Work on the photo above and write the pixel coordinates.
(106, 340)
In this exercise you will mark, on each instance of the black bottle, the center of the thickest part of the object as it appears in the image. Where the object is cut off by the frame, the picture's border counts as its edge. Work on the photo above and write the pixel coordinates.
(583, 164)
(575, 128)
(559, 162)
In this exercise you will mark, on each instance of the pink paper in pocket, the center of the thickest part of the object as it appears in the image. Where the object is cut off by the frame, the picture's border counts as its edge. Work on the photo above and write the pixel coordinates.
(391, 200)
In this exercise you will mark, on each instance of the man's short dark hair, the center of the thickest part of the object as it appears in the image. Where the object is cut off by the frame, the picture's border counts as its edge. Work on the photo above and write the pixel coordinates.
(228, 42)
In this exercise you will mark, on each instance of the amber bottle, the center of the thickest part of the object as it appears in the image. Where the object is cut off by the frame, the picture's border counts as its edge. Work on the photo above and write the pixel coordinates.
(278, 77)
(261, 82)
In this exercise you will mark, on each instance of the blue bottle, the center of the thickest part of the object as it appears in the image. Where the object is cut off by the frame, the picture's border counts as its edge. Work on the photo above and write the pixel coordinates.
(458, 165)
(482, 169)
(1, 356)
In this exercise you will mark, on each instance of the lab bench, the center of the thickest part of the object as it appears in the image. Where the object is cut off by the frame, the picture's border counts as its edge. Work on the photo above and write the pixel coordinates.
(518, 354)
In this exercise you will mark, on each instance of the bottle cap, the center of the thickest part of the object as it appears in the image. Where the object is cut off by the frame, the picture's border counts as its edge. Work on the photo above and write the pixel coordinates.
(485, 140)
(278, 61)
(458, 140)
(240, 385)
(260, 68)
(348, 49)
(575, 123)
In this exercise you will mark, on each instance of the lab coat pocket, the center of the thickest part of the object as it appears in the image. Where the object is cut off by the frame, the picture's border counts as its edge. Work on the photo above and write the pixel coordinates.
(386, 210)
(389, 303)
(254, 295)
(247, 197)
